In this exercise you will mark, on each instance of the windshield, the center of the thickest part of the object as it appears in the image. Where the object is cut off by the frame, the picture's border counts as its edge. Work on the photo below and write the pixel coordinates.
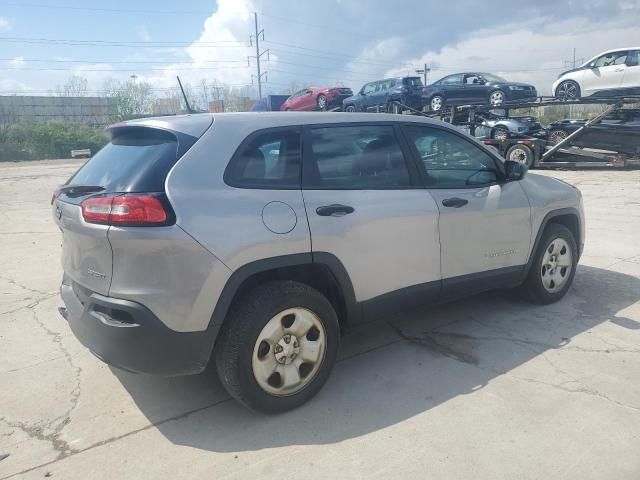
(134, 161)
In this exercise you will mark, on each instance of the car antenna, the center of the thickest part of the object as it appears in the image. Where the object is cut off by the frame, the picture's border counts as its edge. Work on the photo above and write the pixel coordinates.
(184, 95)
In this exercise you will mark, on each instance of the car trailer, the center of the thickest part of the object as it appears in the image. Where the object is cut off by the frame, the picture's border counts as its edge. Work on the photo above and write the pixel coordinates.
(536, 152)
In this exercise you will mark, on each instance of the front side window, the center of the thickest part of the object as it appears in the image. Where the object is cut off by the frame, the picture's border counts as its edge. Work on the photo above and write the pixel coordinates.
(369, 88)
(451, 161)
(267, 160)
(615, 58)
(355, 157)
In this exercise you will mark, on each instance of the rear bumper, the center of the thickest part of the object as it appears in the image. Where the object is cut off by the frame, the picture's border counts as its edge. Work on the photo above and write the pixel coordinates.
(129, 336)
(336, 101)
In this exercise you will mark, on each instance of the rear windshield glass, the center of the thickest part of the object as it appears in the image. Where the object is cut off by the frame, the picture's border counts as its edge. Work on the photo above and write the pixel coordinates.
(137, 160)
(412, 81)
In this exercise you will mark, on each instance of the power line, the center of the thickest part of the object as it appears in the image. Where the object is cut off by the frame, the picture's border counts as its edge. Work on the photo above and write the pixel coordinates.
(19, 59)
(129, 43)
(102, 9)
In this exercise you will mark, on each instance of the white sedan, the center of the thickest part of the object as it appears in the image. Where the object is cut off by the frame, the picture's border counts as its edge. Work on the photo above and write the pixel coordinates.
(612, 73)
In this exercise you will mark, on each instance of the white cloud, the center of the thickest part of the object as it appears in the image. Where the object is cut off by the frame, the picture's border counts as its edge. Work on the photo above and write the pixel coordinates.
(17, 63)
(143, 33)
(530, 55)
(5, 24)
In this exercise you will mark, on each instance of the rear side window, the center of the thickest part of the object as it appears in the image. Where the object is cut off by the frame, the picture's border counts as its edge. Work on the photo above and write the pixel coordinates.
(268, 159)
(412, 82)
(355, 157)
(136, 160)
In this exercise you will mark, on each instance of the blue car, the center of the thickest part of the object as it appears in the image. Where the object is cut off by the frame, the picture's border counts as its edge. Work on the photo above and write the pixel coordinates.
(381, 95)
(473, 88)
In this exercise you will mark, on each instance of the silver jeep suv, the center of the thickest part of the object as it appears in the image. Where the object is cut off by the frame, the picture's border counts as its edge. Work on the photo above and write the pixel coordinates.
(254, 240)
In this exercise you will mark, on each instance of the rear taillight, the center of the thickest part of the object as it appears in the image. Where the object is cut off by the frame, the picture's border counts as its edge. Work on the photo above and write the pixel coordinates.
(56, 194)
(140, 209)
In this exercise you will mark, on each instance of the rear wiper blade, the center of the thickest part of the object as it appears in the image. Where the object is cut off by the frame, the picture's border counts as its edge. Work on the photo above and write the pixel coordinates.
(81, 189)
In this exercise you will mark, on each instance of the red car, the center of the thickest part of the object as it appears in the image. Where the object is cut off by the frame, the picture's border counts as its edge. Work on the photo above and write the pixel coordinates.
(314, 98)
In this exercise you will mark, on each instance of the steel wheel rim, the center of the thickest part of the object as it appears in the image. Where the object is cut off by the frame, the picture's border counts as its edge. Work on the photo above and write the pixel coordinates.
(322, 102)
(557, 263)
(557, 136)
(496, 98)
(289, 352)
(518, 155)
(568, 90)
(436, 103)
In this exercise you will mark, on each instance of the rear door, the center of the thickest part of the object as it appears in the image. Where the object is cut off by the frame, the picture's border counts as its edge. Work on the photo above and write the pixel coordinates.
(484, 225)
(137, 159)
(631, 80)
(365, 206)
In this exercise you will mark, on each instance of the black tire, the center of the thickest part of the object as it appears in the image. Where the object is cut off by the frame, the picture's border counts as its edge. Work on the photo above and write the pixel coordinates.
(500, 133)
(321, 103)
(533, 287)
(520, 153)
(568, 90)
(350, 108)
(393, 107)
(493, 96)
(439, 100)
(246, 319)
(557, 135)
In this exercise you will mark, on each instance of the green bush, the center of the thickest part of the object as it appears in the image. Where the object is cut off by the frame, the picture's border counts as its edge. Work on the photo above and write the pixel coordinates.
(38, 141)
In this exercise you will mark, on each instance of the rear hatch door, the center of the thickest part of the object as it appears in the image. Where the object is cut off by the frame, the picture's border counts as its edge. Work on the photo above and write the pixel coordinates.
(137, 159)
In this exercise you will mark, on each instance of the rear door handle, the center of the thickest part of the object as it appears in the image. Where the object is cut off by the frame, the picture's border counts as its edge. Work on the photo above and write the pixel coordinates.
(335, 210)
(619, 70)
(454, 202)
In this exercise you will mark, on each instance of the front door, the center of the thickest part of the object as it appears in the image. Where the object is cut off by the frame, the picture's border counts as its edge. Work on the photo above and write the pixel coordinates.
(485, 226)
(605, 73)
(366, 205)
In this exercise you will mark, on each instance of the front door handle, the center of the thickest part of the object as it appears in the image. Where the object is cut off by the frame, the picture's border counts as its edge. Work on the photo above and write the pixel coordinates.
(335, 210)
(454, 202)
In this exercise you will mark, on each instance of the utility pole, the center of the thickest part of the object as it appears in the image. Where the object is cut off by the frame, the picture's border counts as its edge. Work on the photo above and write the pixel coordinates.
(424, 72)
(259, 54)
(572, 63)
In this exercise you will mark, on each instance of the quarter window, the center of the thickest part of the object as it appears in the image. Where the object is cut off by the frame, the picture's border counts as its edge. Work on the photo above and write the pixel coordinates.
(451, 161)
(267, 160)
(356, 157)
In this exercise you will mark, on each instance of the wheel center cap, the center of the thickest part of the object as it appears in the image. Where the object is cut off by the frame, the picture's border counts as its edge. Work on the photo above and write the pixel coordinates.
(287, 349)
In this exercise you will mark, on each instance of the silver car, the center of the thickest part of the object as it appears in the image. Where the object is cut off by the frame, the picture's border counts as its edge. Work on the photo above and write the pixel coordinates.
(254, 240)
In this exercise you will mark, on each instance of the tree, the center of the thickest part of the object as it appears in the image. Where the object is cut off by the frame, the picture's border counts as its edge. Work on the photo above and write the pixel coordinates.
(131, 99)
(76, 86)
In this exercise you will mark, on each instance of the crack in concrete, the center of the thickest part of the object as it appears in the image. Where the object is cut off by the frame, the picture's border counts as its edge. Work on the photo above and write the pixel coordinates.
(57, 424)
(23, 287)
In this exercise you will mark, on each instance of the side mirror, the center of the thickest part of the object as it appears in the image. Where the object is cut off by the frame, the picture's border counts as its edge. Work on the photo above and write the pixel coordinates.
(514, 170)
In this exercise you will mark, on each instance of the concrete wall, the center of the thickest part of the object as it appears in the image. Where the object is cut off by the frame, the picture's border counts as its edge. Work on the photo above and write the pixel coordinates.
(87, 110)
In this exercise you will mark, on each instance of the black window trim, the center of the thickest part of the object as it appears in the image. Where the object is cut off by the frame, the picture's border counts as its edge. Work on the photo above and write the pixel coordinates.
(423, 171)
(297, 129)
(415, 179)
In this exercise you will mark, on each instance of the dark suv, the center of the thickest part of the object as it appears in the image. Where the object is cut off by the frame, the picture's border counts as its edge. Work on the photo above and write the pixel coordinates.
(379, 96)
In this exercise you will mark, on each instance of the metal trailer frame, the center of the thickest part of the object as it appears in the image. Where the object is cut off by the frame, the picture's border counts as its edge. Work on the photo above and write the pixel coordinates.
(559, 155)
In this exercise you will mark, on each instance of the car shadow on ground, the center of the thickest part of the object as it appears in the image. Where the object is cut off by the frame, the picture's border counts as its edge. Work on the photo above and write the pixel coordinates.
(396, 369)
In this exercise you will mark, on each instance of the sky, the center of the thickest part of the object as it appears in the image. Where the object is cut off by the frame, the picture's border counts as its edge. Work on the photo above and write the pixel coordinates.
(333, 42)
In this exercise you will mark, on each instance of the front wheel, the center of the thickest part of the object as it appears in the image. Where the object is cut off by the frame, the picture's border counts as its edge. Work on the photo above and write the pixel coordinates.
(568, 90)
(520, 153)
(500, 133)
(350, 108)
(278, 346)
(321, 102)
(553, 266)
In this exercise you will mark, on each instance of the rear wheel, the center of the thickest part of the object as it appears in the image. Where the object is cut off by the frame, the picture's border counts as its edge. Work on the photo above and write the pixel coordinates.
(522, 154)
(321, 102)
(568, 90)
(553, 266)
(277, 347)
(436, 103)
(497, 98)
